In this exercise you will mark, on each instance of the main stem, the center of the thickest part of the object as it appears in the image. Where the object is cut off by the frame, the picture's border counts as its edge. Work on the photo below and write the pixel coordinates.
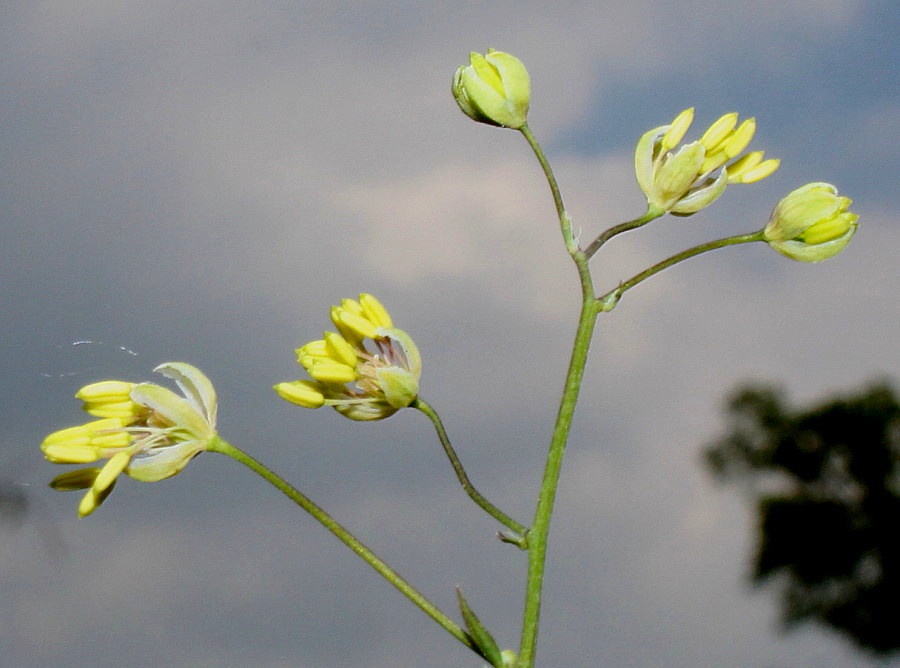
(540, 529)
(537, 537)
(346, 538)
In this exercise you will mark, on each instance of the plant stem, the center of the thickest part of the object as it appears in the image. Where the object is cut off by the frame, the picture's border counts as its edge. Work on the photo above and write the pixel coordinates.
(473, 493)
(537, 537)
(564, 222)
(347, 538)
(590, 309)
(611, 298)
(651, 214)
(540, 529)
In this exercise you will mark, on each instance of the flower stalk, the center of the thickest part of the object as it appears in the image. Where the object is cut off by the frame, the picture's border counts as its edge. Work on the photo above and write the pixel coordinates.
(565, 223)
(346, 538)
(609, 300)
(615, 230)
(520, 538)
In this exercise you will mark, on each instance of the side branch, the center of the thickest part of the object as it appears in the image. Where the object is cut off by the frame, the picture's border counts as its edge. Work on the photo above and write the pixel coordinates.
(610, 299)
(652, 214)
(347, 539)
(521, 531)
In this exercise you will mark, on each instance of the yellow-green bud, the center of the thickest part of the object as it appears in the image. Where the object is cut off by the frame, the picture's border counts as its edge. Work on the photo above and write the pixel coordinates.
(494, 89)
(811, 224)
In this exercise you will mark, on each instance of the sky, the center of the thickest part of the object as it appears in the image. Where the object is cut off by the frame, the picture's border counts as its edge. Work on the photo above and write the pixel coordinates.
(201, 181)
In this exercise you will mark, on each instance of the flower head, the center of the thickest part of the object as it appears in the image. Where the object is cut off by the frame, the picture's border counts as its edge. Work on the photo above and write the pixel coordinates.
(494, 89)
(144, 430)
(811, 224)
(358, 382)
(684, 181)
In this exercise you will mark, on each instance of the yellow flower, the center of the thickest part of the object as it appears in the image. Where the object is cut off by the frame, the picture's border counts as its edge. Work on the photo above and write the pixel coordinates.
(684, 181)
(494, 89)
(358, 382)
(811, 224)
(145, 431)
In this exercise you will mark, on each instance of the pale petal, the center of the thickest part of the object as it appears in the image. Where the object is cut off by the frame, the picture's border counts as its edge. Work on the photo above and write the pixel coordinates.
(196, 387)
(162, 463)
(643, 160)
(174, 409)
(701, 197)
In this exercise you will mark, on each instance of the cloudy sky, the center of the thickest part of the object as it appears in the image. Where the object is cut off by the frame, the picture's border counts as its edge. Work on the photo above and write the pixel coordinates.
(201, 181)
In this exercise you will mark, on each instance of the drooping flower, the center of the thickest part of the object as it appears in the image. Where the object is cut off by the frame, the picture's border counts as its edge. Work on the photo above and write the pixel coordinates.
(145, 430)
(494, 89)
(684, 181)
(811, 224)
(360, 382)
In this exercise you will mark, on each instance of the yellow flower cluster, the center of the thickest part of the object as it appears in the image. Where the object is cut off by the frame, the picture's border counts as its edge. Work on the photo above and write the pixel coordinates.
(358, 382)
(145, 431)
(683, 182)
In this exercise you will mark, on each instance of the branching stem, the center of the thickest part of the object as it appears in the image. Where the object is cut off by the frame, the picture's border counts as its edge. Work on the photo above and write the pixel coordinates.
(347, 539)
(611, 298)
(652, 214)
(521, 539)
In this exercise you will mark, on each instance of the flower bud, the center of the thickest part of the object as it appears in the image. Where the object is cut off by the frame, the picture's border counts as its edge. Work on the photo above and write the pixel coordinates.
(811, 224)
(494, 89)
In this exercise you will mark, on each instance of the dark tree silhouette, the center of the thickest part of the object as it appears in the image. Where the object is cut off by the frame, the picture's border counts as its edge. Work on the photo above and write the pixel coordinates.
(827, 484)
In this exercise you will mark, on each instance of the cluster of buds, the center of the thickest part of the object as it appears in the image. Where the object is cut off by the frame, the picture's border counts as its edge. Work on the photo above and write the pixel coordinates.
(809, 225)
(684, 181)
(145, 431)
(358, 382)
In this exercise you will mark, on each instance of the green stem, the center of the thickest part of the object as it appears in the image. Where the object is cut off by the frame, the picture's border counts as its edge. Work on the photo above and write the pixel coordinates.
(537, 537)
(611, 298)
(474, 494)
(540, 529)
(651, 214)
(345, 537)
(564, 222)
